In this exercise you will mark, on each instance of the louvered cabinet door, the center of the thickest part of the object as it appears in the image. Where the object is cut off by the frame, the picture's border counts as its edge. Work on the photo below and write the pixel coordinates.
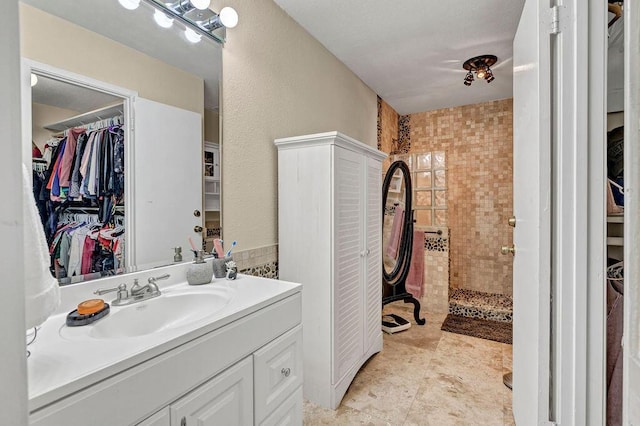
(349, 252)
(373, 267)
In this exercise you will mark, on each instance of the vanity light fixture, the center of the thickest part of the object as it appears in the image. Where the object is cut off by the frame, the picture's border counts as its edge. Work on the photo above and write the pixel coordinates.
(227, 17)
(196, 15)
(481, 65)
(184, 6)
(129, 4)
(191, 35)
(162, 20)
(34, 79)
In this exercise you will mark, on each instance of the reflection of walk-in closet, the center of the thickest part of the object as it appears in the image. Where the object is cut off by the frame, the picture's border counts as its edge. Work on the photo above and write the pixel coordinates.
(615, 213)
(78, 177)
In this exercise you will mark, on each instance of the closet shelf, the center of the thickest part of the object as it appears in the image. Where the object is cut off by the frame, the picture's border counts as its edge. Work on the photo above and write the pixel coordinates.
(86, 118)
(615, 219)
(615, 241)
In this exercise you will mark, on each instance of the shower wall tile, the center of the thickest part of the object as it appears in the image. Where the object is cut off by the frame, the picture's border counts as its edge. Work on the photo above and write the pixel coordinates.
(477, 142)
(435, 297)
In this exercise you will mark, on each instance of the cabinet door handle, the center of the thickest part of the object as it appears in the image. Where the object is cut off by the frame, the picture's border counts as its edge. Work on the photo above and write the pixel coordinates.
(197, 228)
(286, 372)
(183, 421)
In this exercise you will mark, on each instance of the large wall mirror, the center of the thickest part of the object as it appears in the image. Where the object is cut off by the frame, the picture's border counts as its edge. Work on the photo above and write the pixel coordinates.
(121, 124)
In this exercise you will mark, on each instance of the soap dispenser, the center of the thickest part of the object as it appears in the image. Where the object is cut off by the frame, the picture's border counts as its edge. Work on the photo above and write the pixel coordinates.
(199, 271)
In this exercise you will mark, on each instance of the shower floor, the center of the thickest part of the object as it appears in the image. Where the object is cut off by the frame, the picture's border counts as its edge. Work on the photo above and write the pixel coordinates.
(476, 304)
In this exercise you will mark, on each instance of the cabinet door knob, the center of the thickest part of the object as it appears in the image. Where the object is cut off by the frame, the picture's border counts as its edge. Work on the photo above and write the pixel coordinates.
(286, 372)
(196, 213)
(512, 221)
(183, 421)
(197, 228)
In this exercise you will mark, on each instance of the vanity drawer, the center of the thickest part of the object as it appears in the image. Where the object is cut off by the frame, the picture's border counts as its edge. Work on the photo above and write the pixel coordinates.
(288, 413)
(277, 372)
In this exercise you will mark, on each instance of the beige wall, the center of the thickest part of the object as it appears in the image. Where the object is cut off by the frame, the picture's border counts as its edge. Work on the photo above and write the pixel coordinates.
(48, 39)
(278, 81)
(42, 115)
(387, 130)
(211, 126)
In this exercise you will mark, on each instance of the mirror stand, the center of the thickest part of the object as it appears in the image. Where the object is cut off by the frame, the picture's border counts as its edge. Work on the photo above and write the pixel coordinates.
(394, 281)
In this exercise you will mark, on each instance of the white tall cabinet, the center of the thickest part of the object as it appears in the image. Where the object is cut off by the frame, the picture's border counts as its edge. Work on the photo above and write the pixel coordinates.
(329, 215)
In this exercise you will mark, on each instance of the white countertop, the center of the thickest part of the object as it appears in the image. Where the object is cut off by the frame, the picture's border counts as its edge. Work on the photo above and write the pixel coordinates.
(60, 366)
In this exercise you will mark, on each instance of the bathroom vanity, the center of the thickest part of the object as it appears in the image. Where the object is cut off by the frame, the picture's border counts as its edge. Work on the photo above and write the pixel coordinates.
(224, 353)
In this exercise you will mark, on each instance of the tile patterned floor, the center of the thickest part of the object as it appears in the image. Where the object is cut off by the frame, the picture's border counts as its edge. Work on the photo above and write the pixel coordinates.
(424, 377)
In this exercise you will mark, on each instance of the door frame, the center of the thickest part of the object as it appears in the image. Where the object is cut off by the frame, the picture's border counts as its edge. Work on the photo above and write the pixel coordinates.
(128, 98)
(631, 337)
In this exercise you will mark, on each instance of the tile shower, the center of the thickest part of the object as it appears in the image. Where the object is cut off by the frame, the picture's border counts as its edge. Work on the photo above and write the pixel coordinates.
(466, 154)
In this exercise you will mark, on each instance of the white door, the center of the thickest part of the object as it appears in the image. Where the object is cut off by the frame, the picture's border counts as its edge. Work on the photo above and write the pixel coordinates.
(164, 200)
(349, 251)
(531, 197)
(373, 270)
(631, 368)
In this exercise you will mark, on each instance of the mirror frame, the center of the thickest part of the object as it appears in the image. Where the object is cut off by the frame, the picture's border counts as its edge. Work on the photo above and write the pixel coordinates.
(128, 97)
(401, 269)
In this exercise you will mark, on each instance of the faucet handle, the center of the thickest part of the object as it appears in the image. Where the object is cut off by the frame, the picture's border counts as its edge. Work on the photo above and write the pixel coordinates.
(161, 277)
(123, 293)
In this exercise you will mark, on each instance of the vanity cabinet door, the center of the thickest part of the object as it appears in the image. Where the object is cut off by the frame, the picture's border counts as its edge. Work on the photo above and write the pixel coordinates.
(227, 399)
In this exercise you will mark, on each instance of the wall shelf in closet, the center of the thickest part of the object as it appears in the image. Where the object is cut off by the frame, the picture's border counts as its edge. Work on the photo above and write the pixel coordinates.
(86, 118)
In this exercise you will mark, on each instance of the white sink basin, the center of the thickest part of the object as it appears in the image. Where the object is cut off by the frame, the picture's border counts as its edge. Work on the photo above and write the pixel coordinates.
(165, 312)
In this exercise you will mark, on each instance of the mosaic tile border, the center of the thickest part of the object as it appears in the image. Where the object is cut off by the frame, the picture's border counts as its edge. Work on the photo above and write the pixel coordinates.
(476, 304)
(403, 143)
(268, 270)
(436, 243)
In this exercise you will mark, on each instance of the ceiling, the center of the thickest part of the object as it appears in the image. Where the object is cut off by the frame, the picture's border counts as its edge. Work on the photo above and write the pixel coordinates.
(69, 96)
(410, 52)
(138, 30)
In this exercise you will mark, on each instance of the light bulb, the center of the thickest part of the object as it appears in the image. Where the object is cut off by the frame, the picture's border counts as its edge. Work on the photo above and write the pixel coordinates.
(34, 79)
(481, 73)
(200, 4)
(191, 35)
(229, 17)
(163, 20)
(129, 4)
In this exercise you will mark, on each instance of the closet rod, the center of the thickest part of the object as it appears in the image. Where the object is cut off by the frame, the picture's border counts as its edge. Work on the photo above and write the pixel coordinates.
(108, 111)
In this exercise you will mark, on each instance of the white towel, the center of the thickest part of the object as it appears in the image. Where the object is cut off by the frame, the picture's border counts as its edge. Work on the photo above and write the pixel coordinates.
(42, 294)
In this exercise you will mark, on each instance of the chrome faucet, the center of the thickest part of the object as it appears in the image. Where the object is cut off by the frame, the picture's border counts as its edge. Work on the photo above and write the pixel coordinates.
(137, 293)
(150, 289)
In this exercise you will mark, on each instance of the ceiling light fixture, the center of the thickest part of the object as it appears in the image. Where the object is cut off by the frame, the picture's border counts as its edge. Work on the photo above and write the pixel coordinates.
(129, 4)
(34, 79)
(481, 65)
(162, 20)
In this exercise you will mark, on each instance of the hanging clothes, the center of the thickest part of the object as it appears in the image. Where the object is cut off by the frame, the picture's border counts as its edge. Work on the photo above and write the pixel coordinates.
(85, 170)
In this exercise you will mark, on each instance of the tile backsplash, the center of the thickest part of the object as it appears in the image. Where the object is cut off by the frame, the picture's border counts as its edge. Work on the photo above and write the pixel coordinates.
(260, 262)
